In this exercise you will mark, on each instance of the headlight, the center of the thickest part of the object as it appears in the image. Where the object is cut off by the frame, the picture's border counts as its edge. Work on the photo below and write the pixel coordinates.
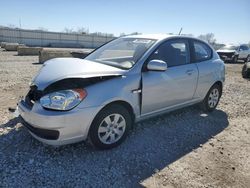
(63, 100)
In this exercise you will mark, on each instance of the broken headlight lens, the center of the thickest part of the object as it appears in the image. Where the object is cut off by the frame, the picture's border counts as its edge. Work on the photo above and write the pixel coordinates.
(63, 100)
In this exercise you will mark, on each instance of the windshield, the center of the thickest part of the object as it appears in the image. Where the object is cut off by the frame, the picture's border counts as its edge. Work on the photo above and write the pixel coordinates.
(121, 53)
(229, 48)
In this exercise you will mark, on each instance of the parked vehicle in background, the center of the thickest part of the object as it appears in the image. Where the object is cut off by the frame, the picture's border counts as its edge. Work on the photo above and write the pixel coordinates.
(246, 70)
(126, 80)
(232, 53)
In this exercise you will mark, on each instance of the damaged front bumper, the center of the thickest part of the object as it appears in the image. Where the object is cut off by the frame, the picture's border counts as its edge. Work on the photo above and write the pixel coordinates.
(226, 56)
(57, 127)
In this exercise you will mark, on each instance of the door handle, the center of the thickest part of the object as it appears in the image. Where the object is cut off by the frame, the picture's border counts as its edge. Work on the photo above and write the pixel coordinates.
(136, 91)
(189, 72)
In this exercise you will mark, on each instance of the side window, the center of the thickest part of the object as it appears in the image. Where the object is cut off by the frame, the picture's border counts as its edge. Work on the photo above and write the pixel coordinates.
(243, 48)
(202, 51)
(174, 53)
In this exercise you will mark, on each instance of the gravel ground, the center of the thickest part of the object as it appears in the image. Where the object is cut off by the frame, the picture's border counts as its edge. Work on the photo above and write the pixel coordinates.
(185, 148)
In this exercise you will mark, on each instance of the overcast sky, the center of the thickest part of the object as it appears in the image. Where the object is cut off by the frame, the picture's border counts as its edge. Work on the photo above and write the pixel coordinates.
(229, 20)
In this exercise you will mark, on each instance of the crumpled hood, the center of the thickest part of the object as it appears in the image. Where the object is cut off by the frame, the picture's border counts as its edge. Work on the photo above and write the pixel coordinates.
(61, 68)
(226, 51)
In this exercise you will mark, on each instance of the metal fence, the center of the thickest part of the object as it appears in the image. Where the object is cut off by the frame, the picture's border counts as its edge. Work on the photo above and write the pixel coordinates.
(53, 39)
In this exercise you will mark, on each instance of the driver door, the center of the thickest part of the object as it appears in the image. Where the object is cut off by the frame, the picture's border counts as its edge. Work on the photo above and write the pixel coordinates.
(174, 86)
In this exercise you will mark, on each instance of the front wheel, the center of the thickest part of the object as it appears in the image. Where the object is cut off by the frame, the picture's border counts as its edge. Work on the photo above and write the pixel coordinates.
(235, 59)
(248, 59)
(110, 127)
(212, 98)
(245, 71)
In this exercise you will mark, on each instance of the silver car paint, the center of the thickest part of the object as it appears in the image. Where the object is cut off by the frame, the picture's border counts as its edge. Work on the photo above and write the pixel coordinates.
(161, 89)
(177, 86)
(242, 54)
(61, 68)
(73, 125)
(116, 89)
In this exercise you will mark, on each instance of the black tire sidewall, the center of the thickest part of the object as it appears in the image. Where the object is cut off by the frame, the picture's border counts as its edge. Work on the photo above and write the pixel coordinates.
(112, 109)
(205, 104)
(248, 59)
(244, 71)
(235, 59)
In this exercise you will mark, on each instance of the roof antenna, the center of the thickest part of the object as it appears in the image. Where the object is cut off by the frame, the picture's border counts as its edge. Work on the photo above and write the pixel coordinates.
(180, 31)
(20, 25)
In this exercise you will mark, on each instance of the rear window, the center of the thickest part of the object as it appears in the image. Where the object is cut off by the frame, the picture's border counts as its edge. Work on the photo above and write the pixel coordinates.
(202, 51)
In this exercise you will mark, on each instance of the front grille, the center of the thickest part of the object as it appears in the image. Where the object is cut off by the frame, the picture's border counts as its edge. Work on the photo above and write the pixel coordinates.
(224, 54)
(33, 95)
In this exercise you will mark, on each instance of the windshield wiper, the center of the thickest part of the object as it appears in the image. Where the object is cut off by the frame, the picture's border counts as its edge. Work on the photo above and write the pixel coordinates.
(113, 64)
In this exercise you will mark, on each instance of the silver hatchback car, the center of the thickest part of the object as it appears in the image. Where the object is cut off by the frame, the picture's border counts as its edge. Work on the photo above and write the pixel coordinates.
(124, 81)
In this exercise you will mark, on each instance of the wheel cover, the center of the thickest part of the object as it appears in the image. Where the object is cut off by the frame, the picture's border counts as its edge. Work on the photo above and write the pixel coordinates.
(112, 128)
(213, 98)
(245, 68)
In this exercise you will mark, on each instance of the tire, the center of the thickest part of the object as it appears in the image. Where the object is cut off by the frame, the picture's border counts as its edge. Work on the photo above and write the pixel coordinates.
(248, 59)
(235, 59)
(245, 71)
(212, 98)
(110, 127)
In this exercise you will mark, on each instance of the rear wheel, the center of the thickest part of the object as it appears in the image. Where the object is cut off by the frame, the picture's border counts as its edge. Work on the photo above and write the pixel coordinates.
(212, 98)
(110, 127)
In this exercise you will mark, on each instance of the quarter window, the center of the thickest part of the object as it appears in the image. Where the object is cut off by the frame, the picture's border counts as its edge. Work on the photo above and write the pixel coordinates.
(202, 51)
(174, 53)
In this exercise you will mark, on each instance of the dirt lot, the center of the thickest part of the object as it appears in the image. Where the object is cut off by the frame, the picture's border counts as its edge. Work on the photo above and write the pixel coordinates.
(185, 148)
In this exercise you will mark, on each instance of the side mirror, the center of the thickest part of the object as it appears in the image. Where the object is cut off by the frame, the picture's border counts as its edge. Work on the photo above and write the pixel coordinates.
(157, 65)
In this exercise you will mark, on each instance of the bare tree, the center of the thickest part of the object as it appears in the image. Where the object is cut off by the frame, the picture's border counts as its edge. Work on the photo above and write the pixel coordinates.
(42, 29)
(188, 35)
(209, 37)
(68, 30)
(135, 33)
(82, 30)
(102, 34)
(12, 26)
(122, 34)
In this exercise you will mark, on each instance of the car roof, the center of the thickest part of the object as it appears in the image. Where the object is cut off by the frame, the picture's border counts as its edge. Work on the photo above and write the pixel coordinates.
(160, 36)
(151, 36)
